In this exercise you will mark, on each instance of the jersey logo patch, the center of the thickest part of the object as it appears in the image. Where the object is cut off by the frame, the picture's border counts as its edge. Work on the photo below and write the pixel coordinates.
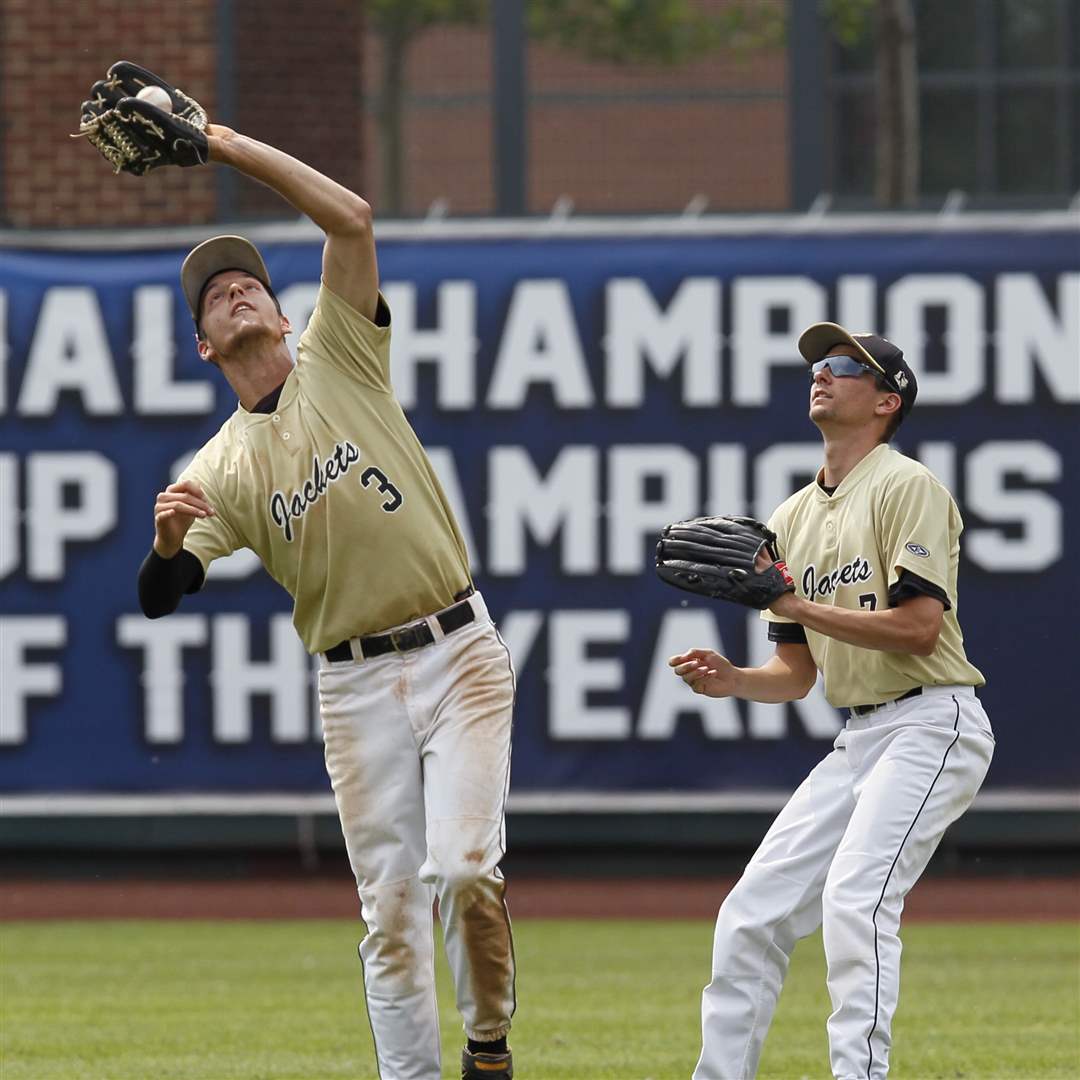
(918, 549)
(825, 584)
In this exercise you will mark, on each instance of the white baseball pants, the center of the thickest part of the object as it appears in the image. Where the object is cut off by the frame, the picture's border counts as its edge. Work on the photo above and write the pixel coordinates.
(843, 854)
(418, 752)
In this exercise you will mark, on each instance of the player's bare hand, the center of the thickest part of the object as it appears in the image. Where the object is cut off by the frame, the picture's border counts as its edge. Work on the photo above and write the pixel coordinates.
(706, 672)
(175, 511)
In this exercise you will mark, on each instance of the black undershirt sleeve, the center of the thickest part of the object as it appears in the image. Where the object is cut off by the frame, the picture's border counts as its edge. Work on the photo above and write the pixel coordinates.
(787, 633)
(162, 582)
(909, 585)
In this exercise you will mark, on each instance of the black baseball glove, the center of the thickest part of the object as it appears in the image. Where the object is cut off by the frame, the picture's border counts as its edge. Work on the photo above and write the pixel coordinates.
(135, 136)
(715, 556)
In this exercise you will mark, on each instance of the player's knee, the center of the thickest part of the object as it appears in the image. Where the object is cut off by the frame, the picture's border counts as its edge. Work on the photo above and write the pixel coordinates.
(748, 929)
(757, 899)
(462, 872)
(457, 865)
(742, 914)
(846, 897)
(460, 854)
(834, 897)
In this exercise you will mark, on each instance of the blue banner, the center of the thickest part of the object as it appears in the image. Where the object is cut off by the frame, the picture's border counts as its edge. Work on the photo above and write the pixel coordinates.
(575, 394)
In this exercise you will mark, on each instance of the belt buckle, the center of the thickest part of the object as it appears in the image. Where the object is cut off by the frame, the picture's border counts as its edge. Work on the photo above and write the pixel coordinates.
(404, 639)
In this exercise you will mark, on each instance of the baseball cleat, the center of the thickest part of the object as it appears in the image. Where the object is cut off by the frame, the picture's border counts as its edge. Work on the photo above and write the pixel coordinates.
(486, 1066)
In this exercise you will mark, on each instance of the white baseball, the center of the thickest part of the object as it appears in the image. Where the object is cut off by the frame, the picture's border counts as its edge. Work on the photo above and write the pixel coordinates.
(156, 96)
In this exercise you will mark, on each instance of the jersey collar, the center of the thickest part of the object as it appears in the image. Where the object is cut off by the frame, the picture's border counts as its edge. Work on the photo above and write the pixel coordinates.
(269, 403)
(853, 478)
(285, 393)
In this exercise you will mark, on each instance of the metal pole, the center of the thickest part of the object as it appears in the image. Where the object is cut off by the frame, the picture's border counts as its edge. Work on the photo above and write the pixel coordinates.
(509, 106)
(226, 104)
(807, 103)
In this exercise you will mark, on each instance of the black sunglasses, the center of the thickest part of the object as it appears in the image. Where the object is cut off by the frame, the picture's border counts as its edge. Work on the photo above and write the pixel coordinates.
(843, 367)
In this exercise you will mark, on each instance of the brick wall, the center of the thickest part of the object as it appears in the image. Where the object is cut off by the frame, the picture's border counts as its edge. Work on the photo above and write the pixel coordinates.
(51, 51)
(296, 84)
(638, 138)
(613, 139)
(294, 78)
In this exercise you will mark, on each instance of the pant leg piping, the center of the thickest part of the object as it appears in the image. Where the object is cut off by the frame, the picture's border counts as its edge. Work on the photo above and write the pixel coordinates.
(502, 830)
(884, 887)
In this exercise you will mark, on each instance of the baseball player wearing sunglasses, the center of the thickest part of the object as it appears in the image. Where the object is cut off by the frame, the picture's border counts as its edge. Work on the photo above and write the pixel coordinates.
(872, 546)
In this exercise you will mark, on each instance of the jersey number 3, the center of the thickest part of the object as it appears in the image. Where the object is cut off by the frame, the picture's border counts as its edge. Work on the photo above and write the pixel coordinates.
(383, 486)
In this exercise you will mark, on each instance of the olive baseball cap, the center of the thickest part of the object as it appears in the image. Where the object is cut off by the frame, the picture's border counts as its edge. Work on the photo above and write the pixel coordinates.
(214, 255)
(878, 353)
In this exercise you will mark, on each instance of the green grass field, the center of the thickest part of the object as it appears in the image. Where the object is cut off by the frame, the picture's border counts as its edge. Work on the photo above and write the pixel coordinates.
(282, 1001)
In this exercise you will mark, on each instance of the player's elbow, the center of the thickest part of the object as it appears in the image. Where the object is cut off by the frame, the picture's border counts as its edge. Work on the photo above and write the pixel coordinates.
(926, 646)
(156, 606)
(157, 611)
(919, 622)
(924, 639)
(357, 217)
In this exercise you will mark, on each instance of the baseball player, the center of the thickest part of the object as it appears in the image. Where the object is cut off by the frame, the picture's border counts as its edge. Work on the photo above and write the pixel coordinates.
(320, 474)
(868, 598)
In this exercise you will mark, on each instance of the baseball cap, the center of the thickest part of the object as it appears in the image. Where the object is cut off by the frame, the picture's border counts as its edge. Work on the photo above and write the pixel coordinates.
(879, 354)
(214, 255)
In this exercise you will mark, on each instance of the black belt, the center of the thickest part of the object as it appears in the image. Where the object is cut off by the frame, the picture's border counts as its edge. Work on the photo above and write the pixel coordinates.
(413, 636)
(862, 710)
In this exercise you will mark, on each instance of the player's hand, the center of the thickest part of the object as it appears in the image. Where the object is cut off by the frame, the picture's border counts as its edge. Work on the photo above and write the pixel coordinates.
(175, 511)
(706, 672)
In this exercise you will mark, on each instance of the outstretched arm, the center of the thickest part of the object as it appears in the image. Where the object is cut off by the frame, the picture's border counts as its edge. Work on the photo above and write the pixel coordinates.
(136, 136)
(349, 265)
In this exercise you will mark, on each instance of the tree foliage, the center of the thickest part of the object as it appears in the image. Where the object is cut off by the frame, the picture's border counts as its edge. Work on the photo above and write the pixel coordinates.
(404, 19)
(617, 31)
(652, 31)
(850, 20)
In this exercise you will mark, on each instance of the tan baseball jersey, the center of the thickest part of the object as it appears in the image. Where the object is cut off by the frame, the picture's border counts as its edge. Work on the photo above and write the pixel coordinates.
(332, 490)
(890, 514)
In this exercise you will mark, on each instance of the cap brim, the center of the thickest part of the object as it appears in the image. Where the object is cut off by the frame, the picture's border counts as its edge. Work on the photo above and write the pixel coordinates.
(816, 341)
(214, 255)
